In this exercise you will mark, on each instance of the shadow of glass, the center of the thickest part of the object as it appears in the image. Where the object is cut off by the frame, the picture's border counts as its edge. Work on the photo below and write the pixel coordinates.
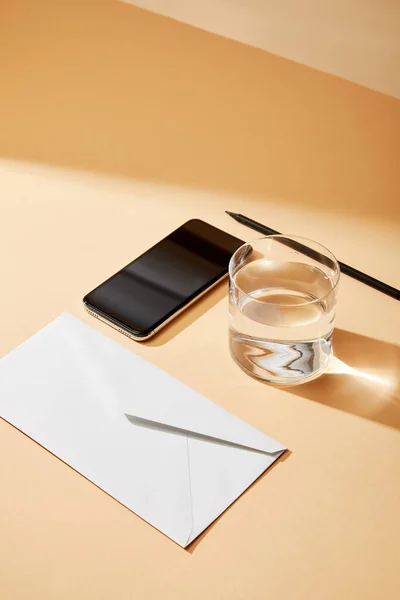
(364, 379)
(190, 315)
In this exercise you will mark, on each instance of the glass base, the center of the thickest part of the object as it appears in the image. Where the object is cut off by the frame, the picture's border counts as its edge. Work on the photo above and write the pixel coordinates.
(281, 381)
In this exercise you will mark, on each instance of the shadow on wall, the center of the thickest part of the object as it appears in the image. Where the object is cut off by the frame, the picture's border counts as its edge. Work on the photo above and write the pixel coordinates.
(103, 86)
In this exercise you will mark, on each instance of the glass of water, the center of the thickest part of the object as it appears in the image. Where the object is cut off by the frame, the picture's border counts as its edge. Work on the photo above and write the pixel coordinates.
(282, 303)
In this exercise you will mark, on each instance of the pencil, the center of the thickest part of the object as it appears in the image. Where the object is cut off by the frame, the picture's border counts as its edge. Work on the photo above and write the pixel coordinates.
(346, 269)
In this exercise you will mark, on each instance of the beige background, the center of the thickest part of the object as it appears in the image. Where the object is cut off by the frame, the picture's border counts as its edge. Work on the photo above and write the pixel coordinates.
(358, 40)
(116, 126)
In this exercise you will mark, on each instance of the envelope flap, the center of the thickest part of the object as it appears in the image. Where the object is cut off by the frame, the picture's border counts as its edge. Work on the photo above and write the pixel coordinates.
(161, 399)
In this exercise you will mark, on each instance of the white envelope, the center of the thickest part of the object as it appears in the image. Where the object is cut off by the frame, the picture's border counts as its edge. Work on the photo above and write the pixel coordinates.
(167, 453)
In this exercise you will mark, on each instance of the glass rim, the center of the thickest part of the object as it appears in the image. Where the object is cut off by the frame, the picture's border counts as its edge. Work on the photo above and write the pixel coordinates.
(277, 236)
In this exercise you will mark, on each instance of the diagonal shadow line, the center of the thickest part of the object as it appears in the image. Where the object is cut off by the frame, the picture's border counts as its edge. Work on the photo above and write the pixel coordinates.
(197, 436)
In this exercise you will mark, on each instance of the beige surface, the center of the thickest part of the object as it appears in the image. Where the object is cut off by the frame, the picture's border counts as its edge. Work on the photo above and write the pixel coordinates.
(116, 126)
(357, 40)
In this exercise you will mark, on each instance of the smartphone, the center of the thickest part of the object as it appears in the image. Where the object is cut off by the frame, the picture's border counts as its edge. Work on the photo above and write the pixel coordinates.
(149, 292)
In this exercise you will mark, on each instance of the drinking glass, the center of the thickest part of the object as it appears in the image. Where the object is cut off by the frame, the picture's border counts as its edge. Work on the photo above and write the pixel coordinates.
(282, 304)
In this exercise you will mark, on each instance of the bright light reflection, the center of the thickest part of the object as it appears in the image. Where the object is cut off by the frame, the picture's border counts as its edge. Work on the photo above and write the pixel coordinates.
(338, 367)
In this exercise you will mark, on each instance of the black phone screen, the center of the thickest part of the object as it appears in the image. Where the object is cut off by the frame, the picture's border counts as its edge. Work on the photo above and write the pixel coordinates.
(164, 279)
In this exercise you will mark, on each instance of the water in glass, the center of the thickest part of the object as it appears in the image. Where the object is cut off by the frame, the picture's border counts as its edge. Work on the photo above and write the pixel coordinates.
(281, 319)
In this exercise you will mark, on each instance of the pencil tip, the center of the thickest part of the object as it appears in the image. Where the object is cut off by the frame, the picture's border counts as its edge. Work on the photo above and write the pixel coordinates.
(231, 214)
